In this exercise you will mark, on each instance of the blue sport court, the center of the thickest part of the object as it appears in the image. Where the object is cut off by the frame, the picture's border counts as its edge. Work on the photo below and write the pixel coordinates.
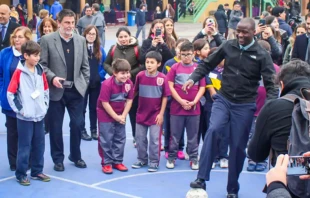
(93, 183)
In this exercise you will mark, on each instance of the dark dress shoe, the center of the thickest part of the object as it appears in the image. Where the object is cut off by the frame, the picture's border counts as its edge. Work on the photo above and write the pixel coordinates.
(232, 195)
(94, 134)
(85, 136)
(59, 167)
(13, 168)
(80, 163)
(198, 183)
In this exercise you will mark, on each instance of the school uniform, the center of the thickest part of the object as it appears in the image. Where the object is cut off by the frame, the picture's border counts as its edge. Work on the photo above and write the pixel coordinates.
(112, 134)
(214, 80)
(181, 118)
(28, 96)
(166, 125)
(97, 75)
(151, 90)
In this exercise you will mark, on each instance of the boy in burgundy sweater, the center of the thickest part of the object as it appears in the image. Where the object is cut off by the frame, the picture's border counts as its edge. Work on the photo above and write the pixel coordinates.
(153, 90)
(185, 106)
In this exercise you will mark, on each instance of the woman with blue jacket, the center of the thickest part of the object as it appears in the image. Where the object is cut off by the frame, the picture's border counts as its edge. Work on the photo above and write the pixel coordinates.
(9, 59)
(96, 58)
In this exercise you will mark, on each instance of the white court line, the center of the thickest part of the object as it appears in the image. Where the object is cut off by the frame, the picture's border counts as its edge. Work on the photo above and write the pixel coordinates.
(81, 184)
(7, 178)
(93, 187)
(164, 172)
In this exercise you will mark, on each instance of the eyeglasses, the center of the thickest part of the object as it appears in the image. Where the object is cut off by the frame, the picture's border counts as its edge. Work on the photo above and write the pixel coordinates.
(18, 37)
(186, 55)
(89, 34)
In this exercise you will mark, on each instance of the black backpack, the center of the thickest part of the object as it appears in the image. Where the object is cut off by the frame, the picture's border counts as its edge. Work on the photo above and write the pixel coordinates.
(299, 139)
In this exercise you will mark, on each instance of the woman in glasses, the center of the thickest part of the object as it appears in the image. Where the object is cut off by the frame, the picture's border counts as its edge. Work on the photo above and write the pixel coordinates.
(96, 58)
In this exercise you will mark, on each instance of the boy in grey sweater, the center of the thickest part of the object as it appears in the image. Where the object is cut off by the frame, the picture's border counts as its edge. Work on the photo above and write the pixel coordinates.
(235, 16)
(28, 96)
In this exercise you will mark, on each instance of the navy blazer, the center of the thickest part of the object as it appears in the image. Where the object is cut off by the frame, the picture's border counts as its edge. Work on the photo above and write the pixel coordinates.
(300, 47)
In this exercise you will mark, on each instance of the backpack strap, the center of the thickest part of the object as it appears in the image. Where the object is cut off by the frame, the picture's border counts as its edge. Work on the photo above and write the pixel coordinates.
(112, 51)
(135, 48)
(136, 51)
(308, 112)
(290, 97)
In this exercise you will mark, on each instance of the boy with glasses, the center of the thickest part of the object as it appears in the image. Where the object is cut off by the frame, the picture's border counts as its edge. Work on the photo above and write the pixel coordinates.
(185, 106)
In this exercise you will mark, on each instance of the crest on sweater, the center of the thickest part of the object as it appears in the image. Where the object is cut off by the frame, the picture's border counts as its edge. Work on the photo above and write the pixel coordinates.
(127, 87)
(160, 81)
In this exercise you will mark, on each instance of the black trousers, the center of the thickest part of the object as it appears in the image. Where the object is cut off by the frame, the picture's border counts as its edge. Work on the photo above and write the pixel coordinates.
(133, 114)
(12, 139)
(91, 98)
(74, 102)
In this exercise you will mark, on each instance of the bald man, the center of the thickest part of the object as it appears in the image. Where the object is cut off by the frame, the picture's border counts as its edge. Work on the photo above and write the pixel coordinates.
(246, 63)
(7, 26)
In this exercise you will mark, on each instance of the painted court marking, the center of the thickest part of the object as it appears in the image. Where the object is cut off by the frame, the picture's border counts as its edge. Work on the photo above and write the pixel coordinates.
(82, 184)
(164, 172)
(7, 178)
(93, 187)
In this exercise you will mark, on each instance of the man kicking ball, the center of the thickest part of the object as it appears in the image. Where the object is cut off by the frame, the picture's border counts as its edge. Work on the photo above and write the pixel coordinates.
(246, 62)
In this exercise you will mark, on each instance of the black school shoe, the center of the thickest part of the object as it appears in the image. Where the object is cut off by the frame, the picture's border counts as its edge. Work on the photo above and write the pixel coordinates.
(80, 163)
(85, 136)
(94, 134)
(13, 168)
(198, 183)
(59, 167)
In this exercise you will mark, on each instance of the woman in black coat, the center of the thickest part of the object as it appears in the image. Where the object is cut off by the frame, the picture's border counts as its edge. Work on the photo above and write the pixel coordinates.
(210, 32)
(221, 19)
(163, 43)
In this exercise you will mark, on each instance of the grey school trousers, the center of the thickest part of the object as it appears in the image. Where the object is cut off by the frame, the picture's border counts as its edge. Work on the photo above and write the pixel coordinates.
(154, 143)
(112, 139)
(191, 124)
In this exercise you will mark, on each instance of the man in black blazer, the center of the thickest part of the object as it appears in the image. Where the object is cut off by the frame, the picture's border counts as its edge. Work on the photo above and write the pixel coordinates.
(7, 27)
(301, 48)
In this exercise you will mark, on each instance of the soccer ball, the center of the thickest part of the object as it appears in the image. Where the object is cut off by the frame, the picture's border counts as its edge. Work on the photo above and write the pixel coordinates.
(196, 193)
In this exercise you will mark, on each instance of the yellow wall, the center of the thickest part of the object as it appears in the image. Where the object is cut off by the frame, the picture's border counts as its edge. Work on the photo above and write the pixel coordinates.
(213, 6)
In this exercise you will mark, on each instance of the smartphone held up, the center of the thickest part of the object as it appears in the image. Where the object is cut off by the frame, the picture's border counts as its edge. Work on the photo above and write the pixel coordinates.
(298, 165)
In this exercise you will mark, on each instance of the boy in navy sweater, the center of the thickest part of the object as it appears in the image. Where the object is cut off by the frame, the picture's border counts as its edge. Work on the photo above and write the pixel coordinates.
(140, 21)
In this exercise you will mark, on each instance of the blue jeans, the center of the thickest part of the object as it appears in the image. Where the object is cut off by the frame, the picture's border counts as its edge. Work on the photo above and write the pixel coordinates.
(31, 139)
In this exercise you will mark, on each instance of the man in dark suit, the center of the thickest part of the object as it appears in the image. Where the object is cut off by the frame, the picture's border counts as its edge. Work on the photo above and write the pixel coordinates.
(301, 48)
(64, 58)
(7, 27)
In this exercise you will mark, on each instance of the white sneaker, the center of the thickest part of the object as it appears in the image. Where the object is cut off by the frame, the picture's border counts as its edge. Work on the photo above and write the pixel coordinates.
(170, 164)
(213, 165)
(186, 156)
(194, 165)
(224, 163)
